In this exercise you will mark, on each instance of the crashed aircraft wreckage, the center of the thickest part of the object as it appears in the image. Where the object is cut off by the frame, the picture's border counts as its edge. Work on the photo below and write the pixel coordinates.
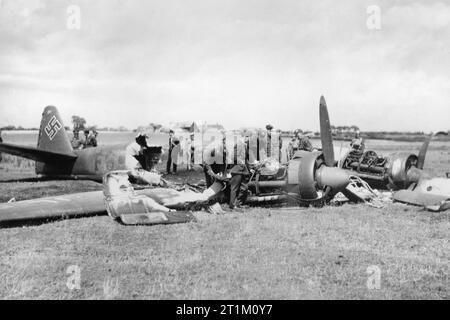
(306, 179)
(401, 172)
(309, 178)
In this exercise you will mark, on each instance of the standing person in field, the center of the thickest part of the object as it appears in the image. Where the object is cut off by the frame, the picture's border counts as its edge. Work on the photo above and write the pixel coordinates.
(1, 141)
(176, 150)
(91, 139)
(238, 172)
(280, 145)
(169, 156)
(304, 144)
(76, 141)
(292, 147)
(269, 129)
(357, 143)
(189, 152)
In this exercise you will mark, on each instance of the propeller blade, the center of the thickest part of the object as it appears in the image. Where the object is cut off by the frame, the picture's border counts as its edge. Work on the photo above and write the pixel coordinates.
(423, 153)
(325, 134)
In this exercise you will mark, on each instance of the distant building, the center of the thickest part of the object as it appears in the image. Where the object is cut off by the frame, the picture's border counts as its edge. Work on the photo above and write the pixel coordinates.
(152, 127)
(216, 126)
(344, 130)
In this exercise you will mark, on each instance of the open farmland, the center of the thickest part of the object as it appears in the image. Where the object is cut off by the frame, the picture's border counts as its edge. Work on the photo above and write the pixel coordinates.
(262, 253)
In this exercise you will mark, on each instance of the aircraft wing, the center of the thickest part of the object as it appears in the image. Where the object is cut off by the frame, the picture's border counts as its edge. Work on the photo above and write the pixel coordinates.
(35, 154)
(431, 202)
(67, 206)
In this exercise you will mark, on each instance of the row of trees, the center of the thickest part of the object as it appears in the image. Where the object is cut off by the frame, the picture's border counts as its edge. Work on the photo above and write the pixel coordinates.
(79, 124)
(345, 128)
(20, 128)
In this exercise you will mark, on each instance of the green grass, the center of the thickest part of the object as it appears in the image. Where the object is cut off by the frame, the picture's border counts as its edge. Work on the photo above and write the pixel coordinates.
(284, 253)
(261, 254)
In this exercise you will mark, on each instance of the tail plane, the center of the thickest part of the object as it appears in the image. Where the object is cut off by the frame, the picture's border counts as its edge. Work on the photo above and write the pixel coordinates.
(52, 134)
(53, 143)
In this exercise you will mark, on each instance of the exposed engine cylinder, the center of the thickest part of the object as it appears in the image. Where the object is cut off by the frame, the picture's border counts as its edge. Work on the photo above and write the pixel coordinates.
(398, 167)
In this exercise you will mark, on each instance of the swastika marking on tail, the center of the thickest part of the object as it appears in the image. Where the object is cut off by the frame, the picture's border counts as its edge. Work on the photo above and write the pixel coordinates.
(52, 128)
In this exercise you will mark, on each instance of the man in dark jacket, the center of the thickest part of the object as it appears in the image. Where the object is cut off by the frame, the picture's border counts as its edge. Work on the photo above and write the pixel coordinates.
(1, 141)
(238, 172)
(169, 157)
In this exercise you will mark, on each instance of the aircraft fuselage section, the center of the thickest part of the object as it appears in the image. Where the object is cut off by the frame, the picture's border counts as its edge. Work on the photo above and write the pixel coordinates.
(91, 163)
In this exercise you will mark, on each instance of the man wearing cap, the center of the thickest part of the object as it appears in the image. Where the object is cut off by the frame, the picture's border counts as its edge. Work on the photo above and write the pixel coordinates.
(176, 150)
(1, 141)
(169, 156)
(304, 144)
(269, 129)
(86, 139)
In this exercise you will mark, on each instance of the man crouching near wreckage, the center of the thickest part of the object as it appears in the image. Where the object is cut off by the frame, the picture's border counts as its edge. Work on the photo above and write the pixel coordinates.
(135, 158)
(218, 168)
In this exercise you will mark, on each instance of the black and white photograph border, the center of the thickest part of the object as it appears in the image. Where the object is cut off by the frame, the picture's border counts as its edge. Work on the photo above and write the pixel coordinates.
(224, 150)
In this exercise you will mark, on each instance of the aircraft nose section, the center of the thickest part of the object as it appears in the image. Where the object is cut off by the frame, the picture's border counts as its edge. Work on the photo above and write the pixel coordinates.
(335, 178)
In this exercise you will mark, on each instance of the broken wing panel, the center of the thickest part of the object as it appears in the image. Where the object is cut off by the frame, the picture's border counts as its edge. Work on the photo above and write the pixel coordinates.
(430, 201)
(52, 208)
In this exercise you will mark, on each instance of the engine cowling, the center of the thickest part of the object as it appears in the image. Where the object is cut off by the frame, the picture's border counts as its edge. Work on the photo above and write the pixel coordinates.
(398, 168)
(309, 176)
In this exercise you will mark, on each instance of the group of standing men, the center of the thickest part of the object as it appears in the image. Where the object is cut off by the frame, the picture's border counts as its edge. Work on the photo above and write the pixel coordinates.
(215, 166)
(90, 139)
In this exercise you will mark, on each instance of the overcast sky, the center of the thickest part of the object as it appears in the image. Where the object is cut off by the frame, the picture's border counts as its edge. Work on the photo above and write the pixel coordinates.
(237, 62)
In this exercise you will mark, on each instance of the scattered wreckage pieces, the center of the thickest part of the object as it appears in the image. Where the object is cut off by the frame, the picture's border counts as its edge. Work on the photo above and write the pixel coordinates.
(432, 194)
(150, 206)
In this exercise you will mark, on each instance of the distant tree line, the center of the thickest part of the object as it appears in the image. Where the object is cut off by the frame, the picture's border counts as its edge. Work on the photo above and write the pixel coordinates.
(11, 128)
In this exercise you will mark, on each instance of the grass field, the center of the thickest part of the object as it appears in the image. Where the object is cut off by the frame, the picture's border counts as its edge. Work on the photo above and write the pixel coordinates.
(277, 253)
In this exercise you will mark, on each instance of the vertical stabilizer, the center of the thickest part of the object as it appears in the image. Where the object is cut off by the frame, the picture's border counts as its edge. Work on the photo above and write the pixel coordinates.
(52, 134)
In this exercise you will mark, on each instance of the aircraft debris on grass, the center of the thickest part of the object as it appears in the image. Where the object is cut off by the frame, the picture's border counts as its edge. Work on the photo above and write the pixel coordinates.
(56, 159)
(400, 172)
(309, 178)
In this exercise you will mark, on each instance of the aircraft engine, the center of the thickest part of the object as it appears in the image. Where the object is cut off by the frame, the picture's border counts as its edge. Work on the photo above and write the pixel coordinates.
(399, 169)
(311, 179)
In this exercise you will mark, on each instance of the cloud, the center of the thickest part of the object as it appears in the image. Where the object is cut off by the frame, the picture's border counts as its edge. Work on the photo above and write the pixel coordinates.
(236, 62)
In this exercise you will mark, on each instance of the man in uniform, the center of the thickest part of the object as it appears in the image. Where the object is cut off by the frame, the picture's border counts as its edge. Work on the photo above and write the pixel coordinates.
(358, 144)
(214, 162)
(280, 145)
(238, 172)
(269, 129)
(92, 138)
(169, 156)
(86, 139)
(216, 170)
(134, 152)
(304, 144)
(1, 141)
(76, 143)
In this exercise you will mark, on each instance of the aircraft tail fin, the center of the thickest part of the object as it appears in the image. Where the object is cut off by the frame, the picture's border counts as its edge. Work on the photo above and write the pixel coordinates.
(52, 134)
